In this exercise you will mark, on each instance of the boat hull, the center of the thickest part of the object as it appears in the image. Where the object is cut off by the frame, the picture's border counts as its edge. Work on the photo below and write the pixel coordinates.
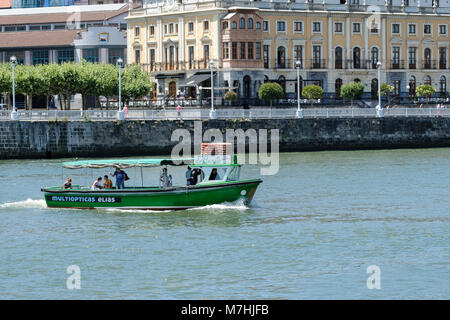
(153, 198)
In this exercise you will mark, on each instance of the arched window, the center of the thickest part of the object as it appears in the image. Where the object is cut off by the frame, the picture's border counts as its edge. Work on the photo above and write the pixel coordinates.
(241, 23)
(338, 58)
(412, 86)
(374, 88)
(250, 23)
(282, 83)
(233, 25)
(225, 25)
(356, 58)
(374, 56)
(443, 86)
(427, 58)
(258, 25)
(337, 88)
(427, 80)
(357, 80)
(247, 91)
(281, 57)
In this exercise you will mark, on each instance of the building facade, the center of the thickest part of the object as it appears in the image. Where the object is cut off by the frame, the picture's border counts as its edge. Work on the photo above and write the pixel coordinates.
(57, 34)
(252, 42)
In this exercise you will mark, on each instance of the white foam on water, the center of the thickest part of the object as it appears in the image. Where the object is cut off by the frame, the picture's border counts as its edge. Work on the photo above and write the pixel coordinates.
(29, 203)
(236, 205)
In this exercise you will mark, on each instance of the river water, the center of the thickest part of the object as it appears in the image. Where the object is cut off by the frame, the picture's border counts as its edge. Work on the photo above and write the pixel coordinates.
(311, 233)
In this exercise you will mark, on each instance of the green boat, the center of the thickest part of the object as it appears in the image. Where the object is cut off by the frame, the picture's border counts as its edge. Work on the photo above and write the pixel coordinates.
(217, 182)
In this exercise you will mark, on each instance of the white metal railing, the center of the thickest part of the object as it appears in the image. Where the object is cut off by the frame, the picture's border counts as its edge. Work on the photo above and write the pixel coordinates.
(196, 113)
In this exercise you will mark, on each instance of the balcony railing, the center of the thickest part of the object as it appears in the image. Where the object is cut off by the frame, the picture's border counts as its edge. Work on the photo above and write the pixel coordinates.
(176, 66)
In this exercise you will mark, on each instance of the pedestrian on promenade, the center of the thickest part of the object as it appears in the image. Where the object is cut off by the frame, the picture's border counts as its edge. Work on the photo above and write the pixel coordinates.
(179, 111)
(125, 112)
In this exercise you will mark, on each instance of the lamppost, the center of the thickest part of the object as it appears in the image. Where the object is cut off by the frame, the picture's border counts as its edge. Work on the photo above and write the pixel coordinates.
(14, 113)
(200, 93)
(212, 113)
(120, 113)
(299, 110)
(379, 108)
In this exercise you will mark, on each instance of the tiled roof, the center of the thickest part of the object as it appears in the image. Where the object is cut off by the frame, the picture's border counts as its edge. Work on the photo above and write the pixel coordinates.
(60, 17)
(55, 38)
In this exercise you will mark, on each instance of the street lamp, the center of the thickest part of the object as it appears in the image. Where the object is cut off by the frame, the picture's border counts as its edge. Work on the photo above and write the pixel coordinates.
(120, 113)
(212, 113)
(14, 113)
(379, 108)
(299, 110)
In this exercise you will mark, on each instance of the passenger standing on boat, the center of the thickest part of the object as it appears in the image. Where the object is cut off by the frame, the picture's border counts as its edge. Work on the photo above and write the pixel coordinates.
(188, 175)
(120, 178)
(68, 184)
(194, 176)
(164, 178)
(108, 183)
(97, 185)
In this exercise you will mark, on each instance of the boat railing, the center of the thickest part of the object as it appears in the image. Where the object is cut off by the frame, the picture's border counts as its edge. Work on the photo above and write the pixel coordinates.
(195, 114)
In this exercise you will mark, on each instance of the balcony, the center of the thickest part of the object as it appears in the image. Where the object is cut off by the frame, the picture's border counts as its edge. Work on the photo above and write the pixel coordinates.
(317, 64)
(175, 66)
(428, 64)
(397, 64)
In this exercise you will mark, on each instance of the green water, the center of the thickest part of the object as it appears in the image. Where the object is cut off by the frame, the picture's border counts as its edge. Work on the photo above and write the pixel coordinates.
(311, 232)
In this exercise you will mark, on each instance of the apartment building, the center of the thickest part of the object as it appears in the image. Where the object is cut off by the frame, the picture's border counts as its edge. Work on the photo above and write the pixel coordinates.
(252, 42)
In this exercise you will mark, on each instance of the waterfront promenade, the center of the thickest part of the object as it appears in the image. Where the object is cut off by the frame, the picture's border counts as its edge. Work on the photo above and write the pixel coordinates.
(224, 114)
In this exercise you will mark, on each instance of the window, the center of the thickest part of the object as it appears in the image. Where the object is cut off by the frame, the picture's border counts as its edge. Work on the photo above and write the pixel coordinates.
(165, 29)
(151, 59)
(90, 55)
(242, 51)
(411, 28)
(137, 56)
(281, 26)
(241, 23)
(137, 31)
(442, 29)
(258, 25)
(250, 23)
(233, 25)
(395, 57)
(316, 57)
(191, 56)
(412, 56)
(298, 52)
(266, 25)
(442, 58)
(427, 29)
(176, 28)
(396, 28)
(114, 54)
(206, 52)
(171, 28)
(357, 27)
(298, 26)
(338, 27)
(226, 53)
(234, 50)
(190, 27)
(60, 27)
(225, 25)
(250, 50)
(374, 27)
(40, 56)
(266, 49)
(427, 80)
(65, 55)
(338, 58)
(258, 51)
(33, 28)
(206, 25)
(152, 30)
(316, 26)
(374, 57)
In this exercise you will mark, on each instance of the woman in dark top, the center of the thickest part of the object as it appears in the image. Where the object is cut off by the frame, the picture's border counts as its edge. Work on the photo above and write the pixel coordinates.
(68, 184)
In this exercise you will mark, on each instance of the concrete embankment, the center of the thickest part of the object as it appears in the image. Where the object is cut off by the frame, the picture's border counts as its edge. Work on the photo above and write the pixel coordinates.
(42, 139)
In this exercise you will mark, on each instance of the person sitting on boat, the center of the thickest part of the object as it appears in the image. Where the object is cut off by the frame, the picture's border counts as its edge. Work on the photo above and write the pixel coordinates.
(164, 178)
(68, 184)
(188, 175)
(169, 180)
(120, 178)
(214, 175)
(97, 185)
(108, 183)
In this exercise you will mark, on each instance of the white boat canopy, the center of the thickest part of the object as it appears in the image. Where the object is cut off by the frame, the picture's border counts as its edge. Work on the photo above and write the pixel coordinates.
(126, 163)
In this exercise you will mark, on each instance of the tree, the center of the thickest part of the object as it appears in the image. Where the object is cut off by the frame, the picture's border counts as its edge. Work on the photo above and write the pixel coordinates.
(230, 96)
(270, 91)
(5, 79)
(352, 90)
(65, 80)
(386, 90)
(312, 92)
(425, 90)
(135, 83)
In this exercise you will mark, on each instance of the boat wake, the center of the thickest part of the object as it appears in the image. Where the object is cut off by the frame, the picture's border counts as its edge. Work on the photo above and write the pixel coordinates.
(236, 205)
(29, 203)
